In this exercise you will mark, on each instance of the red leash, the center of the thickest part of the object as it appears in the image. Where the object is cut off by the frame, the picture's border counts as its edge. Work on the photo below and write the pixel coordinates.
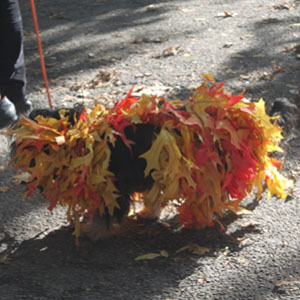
(40, 49)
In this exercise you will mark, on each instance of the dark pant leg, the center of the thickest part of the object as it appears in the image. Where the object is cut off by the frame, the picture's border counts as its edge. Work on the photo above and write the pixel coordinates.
(12, 69)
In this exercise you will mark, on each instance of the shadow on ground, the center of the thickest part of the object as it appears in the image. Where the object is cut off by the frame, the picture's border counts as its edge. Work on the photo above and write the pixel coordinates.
(87, 35)
(52, 267)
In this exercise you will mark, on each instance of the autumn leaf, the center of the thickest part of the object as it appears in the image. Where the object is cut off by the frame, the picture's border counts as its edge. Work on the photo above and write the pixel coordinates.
(195, 249)
(148, 256)
(164, 253)
(164, 153)
(4, 189)
(22, 177)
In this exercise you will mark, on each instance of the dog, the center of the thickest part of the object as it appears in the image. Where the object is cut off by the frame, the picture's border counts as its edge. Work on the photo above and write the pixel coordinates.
(127, 167)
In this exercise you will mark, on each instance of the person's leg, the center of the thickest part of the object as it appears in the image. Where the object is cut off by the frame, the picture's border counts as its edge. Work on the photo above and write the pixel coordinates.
(12, 67)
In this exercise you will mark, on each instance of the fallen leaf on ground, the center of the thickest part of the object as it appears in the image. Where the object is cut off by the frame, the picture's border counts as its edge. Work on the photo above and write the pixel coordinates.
(147, 74)
(4, 259)
(4, 189)
(164, 253)
(148, 256)
(243, 261)
(278, 70)
(225, 14)
(152, 7)
(241, 211)
(284, 6)
(105, 283)
(22, 177)
(171, 51)
(157, 89)
(250, 223)
(195, 249)
(243, 240)
(201, 280)
(103, 78)
(285, 282)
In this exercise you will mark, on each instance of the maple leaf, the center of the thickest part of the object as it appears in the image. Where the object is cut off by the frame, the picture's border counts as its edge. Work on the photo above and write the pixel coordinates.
(164, 153)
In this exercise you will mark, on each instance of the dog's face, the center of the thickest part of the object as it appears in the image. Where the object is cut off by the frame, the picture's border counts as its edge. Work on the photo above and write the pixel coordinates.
(288, 112)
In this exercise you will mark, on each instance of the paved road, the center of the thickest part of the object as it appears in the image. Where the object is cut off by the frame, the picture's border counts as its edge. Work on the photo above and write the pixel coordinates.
(164, 45)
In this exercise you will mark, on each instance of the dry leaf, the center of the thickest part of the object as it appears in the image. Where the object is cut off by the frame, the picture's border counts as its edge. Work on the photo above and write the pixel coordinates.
(243, 261)
(157, 89)
(195, 249)
(4, 189)
(171, 51)
(164, 253)
(241, 211)
(225, 14)
(147, 74)
(152, 7)
(150, 256)
(201, 280)
(285, 282)
(4, 259)
(284, 6)
(22, 177)
(243, 240)
(250, 223)
(278, 70)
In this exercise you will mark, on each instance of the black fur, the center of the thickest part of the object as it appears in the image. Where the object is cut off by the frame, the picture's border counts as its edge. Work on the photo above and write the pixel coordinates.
(288, 112)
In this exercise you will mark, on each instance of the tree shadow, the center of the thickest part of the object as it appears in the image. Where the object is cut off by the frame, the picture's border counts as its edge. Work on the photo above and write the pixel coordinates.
(269, 67)
(87, 35)
(53, 268)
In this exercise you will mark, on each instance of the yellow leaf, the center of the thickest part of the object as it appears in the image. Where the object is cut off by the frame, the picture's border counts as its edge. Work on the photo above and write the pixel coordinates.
(164, 153)
(4, 189)
(164, 253)
(109, 196)
(148, 256)
(82, 160)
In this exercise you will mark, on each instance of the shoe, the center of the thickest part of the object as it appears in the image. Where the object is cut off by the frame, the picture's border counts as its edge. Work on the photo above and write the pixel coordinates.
(8, 114)
(23, 107)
